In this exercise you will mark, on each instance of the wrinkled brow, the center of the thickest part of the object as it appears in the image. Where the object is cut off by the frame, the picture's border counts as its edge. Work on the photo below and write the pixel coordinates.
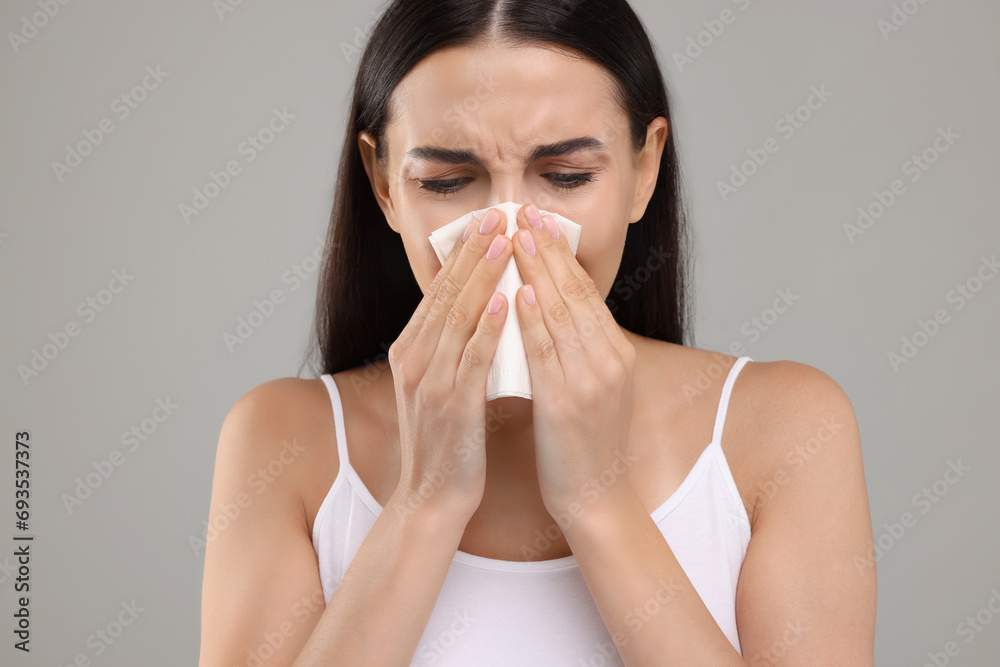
(462, 156)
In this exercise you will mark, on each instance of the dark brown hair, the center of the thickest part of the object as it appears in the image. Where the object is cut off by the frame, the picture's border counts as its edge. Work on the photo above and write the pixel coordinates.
(367, 293)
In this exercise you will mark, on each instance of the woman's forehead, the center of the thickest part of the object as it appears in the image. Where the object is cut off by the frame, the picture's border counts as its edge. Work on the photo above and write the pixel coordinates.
(516, 96)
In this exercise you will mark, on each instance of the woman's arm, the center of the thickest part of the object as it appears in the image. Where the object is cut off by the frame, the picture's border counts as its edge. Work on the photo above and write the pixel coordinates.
(801, 599)
(807, 593)
(262, 594)
(380, 610)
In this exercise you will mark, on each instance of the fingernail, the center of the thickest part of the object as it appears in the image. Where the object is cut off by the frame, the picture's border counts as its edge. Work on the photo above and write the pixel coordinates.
(526, 241)
(495, 304)
(495, 248)
(468, 230)
(529, 295)
(550, 222)
(490, 222)
(534, 218)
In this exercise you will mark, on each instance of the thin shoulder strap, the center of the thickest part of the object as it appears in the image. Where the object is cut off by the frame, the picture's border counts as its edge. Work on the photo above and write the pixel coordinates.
(727, 389)
(338, 419)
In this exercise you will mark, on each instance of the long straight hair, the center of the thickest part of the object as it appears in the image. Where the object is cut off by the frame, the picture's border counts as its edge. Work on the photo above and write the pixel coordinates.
(367, 293)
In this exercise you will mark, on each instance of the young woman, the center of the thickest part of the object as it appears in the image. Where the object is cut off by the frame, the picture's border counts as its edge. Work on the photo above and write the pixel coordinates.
(653, 504)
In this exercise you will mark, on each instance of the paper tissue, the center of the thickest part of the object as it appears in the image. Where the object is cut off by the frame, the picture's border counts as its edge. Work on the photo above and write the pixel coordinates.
(508, 374)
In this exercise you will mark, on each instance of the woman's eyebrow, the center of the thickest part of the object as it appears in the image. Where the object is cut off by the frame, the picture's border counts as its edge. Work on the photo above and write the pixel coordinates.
(462, 156)
(567, 147)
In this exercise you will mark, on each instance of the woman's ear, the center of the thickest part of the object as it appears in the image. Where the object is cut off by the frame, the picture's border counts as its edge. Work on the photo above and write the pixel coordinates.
(376, 175)
(649, 166)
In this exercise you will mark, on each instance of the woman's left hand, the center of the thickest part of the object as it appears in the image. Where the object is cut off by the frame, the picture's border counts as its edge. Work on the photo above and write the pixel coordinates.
(581, 367)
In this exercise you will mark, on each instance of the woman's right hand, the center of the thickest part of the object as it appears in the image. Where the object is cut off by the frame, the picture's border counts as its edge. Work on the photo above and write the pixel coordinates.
(439, 365)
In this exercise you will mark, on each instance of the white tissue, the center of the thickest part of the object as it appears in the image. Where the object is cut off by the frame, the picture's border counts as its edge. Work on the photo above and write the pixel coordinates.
(508, 374)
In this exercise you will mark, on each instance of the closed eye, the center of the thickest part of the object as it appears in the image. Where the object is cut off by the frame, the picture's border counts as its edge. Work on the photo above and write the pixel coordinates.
(446, 186)
(569, 181)
(561, 181)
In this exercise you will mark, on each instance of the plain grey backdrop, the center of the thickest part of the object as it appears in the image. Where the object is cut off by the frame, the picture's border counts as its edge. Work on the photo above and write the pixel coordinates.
(903, 92)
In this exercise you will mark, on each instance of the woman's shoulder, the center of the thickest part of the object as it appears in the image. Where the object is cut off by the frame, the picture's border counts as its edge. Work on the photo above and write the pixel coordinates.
(699, 364)
(781, 415)
(783, 397)
(779, 389)
(282, 405)
(280, 434)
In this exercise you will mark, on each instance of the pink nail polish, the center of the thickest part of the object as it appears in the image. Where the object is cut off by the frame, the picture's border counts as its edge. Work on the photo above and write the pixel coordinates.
(550, 222)
(495, 304)
(468, 230)
(534, 218)
(490, 222)
(529, 295)
(527, 242)
(496, 247)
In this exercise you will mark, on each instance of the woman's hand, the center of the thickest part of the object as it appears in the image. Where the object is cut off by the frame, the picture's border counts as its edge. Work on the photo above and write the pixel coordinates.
(439, 365)
(581, 367)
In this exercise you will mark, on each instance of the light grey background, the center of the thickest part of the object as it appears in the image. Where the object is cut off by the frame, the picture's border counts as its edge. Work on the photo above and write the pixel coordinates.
(162, 336)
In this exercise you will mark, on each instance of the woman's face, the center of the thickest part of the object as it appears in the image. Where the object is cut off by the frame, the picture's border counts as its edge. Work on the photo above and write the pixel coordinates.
(478, 126)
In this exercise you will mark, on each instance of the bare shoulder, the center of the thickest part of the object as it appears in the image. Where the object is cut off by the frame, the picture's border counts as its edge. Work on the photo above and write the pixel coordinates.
(278, 437)
(786, 417)
(789, 386)
(282, 408)
(266, 394)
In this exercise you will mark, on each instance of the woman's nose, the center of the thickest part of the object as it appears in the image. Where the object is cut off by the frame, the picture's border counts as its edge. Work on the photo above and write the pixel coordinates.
(510, 188)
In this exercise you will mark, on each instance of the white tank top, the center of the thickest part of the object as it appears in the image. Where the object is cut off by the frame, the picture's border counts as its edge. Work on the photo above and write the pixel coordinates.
(500, 612)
